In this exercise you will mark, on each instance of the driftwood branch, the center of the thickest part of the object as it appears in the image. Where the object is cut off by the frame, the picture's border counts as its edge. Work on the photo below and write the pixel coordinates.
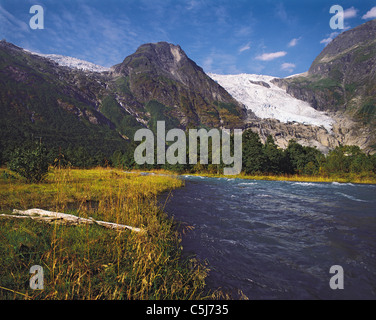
(49, 216)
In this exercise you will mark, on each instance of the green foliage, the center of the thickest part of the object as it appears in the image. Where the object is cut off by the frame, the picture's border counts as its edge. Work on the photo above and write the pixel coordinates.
(30, 162)
(35, 102)
(122, 84)
(368, 111)
(349, 159)
(269, 159)
(123, 160)
(274, 156)
(232, 108)
(254, 158)
(324, 83)
(125, 123)
(160, 112)
(303, 160)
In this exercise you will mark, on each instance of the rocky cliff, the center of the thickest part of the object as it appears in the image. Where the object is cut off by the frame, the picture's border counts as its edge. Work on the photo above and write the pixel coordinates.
(162, 72)
(342, 80)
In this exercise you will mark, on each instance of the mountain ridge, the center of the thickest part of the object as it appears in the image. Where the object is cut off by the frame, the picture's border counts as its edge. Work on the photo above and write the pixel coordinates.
(160, 82)
(162, 71)
(342, 80)
(101, 111)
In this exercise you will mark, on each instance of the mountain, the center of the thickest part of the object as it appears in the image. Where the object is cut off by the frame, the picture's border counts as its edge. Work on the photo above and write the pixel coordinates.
(40, 99)
(162, 72)
(342, 81)
(71, 103)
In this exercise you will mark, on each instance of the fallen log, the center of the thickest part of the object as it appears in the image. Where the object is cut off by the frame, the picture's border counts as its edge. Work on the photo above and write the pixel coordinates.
(49, 216)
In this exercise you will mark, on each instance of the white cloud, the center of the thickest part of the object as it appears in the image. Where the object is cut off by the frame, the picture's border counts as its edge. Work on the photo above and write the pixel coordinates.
(294, 42)
(245, 47)
(371, 14)
(193, 4)
(10, 22)
(220, 63)
(271, 55)
(350, 13)
(330, 38)
(281, 12)
(288, 66)
(208, 64)
(243, 31)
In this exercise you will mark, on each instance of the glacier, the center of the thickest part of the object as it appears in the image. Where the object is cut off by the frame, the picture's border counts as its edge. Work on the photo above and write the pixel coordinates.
(72, 63)
(267, 100)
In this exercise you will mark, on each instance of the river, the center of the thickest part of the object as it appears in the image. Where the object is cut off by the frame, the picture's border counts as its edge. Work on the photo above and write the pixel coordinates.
(278, 239)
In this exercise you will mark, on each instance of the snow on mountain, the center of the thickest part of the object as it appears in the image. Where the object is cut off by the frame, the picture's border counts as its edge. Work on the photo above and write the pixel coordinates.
(73, 63)
(267, 100)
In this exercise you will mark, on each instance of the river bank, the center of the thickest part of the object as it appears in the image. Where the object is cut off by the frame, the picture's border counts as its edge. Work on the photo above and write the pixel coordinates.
(90, 262)
(294, 178)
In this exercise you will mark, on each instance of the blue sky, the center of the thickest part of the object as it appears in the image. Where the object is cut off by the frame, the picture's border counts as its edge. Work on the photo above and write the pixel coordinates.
(269, 37)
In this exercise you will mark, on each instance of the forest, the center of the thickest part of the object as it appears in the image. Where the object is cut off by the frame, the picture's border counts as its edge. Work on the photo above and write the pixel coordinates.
(257, 159)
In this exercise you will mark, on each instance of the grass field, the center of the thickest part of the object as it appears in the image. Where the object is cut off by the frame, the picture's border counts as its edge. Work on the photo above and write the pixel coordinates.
(90, 262)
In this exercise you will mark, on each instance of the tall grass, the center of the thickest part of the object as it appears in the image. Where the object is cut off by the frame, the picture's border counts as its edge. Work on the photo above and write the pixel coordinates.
(89, 262)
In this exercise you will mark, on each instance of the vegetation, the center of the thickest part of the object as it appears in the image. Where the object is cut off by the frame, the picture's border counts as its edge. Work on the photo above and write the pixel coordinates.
(159, 112)
(125, 123)
(344, 163)
(31, 163)
(35, 103)
(90, 262)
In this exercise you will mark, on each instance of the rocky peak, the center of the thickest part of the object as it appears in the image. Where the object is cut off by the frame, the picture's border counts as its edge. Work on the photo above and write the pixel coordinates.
(162, 58)
(164, 73)
(342, 79)
(353, 47)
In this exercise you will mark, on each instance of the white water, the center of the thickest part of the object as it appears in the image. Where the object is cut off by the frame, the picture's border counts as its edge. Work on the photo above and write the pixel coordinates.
(277, 239)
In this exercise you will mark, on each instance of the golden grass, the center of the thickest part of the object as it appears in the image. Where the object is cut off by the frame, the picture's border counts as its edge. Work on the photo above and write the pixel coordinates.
(89, 262)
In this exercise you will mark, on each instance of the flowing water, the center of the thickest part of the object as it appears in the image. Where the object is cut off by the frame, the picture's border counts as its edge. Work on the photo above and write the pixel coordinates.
(277, 239)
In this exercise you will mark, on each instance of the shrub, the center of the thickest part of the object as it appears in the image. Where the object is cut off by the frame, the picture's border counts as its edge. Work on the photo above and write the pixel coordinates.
(30, 162)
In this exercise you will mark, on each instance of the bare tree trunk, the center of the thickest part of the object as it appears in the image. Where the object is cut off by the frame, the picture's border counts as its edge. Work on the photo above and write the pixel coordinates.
(50, 216)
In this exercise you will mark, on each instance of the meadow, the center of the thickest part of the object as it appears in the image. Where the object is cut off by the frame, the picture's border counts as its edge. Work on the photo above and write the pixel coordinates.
(87, 261)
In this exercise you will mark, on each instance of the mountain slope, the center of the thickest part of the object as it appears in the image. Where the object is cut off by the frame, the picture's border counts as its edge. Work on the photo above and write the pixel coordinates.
(69, 102)
(39, 99)
(162, 72)
(342, 79)
(66, 106)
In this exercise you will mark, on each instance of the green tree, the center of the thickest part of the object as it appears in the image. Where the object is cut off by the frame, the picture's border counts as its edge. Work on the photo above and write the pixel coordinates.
(348, 159)
(373, 162)
(337, 161)
(253, 154)
(274, 156)
(30, 162)
(303, 159)
(117, 159)
(295, 157)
